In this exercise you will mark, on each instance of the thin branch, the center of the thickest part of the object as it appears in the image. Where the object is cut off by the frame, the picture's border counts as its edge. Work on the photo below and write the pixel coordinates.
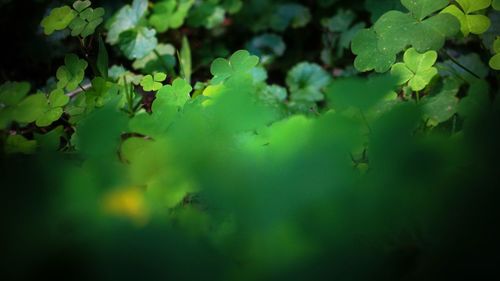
(79, 90)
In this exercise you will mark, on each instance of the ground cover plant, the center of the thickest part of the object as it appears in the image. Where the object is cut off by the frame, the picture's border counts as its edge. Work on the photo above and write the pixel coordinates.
(250, 140)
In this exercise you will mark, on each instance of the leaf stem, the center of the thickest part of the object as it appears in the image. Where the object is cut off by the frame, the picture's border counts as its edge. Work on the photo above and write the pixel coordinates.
(460, 65)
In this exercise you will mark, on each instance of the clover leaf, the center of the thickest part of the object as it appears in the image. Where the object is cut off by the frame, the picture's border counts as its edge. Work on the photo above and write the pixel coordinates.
(161, 59)
(153, 83)
(470, 23)
(441, 106)
(86, 22)
(267, 47)
(369, 54)
(240, 62)
(79, 6)
(71, 74)
(169, 14)
(138, 43)
(170, 99)
(56, 101)
(306, 82)
(58, 19)
(11, 94)
(496, 5)
(495, 60)
(418, 28)
(31, 108)
(417, 69)
(294, 15)
(128, 17)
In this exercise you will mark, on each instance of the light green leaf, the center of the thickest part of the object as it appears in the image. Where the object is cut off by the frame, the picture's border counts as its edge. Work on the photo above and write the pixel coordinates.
(470, 6)
(153, 83)
(57, 98)
(86, 22)
(169, 14)
(58, 19)
(31, 108)
(417, 69)
(469, 23)
(240, 62)
(49, 117)
(495, 60)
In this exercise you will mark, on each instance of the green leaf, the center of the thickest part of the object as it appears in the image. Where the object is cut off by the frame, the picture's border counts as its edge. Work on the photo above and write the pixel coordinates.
(50, 141)
(470, 23)
(31, 108)
(185, 60)
(496, 5)
(495, 60)
(49, 117)
(161, 59)
(443, 105)
(417, 69)
(169, 14)
(102, 59)
(71, 74)
(58, 19)
(86, 22)
(57, 98)
(423, 8)
(153, 83)
(19, 144)
(168, 103)
(81, 5)
(138, 43)
(396, 30)
(470, 6)
(240, 62)
(369, 54)
(128, 17)
(306, 82)
(11, 93)
(294, 15)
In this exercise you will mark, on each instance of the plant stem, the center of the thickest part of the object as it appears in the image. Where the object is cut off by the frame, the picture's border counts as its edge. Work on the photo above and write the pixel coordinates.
(417, 96)
(461, 65)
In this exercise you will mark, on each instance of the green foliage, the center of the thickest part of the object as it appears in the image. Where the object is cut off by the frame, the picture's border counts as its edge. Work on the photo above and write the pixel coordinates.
(417, 69)
(169, 14)
(495, 60)
(267, 47)
(290, 169)
(395, 30)
(71, 74)
(59, 19)
(306, 82)
(341, 30)
(470, 23)
(82, 20)
(239, 62)
(153, 82)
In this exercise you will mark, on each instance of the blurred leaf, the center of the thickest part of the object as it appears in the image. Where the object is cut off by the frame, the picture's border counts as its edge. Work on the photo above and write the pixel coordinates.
(102, 59)
(58, 19)
(19, 144)
(169, 14)
(128, 17)
(306, 82)
(138, 43)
